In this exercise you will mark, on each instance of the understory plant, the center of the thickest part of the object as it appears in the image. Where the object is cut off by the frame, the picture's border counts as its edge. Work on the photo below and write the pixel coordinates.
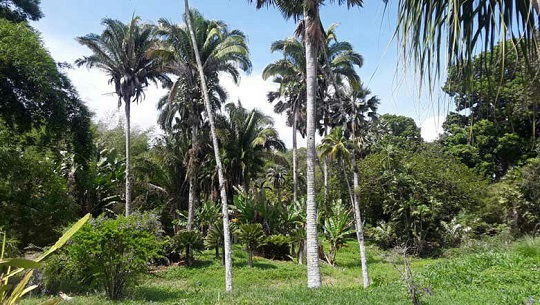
(252, 236)
(336, 228)
(116, 251)
(11, 267)
(187, 241)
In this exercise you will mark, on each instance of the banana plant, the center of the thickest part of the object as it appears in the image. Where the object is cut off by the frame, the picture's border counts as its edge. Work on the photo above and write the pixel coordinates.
(336, 228)
(9, 267)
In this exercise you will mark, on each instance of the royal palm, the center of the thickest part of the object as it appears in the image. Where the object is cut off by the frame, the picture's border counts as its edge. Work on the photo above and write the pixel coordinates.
(122, 52)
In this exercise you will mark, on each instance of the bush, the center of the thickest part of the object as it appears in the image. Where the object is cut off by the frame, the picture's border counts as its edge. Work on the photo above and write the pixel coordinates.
(186, 241)
(276, 247)
(114, 252)
(252, 236)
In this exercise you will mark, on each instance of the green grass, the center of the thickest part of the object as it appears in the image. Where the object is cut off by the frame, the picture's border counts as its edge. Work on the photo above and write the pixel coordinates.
(493, 276)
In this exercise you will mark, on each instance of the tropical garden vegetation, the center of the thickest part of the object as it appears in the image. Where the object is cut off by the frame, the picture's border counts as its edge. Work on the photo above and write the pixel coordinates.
(371, 212)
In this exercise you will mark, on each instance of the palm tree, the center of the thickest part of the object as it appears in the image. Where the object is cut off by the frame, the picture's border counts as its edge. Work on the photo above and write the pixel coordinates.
(276, 175)
(162, 170)
(289, 72)
(221, 51)
(357, 113)
(121, 51)
(250, 140)
(432, 30)
(311, 30)
(336, 63)
(219, 166)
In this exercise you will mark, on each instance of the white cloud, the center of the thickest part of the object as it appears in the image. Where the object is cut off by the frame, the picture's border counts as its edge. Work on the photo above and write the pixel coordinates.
(431, 128)
(252, 92)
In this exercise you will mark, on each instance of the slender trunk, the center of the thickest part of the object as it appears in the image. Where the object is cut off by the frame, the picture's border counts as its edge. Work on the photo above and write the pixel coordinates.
(295, 157)
(313, 268)
(127, 102)
(325, 171)
(536, 6)
(250, 258)
(359, 223)
(301, 252)
(219, 166)
(192, 201)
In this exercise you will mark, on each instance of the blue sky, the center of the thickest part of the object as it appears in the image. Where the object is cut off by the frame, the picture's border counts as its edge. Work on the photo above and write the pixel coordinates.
(368, 29)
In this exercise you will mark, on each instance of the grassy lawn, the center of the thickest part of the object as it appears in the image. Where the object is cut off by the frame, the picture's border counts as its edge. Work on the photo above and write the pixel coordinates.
(491, 276)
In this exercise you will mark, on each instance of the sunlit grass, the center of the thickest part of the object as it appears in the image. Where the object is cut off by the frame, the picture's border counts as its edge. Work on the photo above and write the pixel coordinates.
(490, 277)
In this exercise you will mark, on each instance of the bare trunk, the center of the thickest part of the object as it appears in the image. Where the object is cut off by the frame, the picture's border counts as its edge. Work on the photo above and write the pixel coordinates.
(325, 176)
(295, 157)
(219, 166)
(312, 256)
(192, 201)
(127, 102)
(250, 258)
(301, 248)
(359, 224)
(325, 170)
(536, 6)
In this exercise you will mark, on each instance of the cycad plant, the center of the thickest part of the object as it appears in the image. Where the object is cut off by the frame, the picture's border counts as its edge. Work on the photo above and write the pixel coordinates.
(252, 236)
(336, 228)
(189, 241)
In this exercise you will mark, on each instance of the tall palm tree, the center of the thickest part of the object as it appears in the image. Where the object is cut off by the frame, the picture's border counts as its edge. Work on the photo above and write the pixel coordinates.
(289, 73)
(276, 176)
(250, 140)
(311, 30)
(336, 63)
(357, 113)
(221, 51)
(219, 165)
(122, 52)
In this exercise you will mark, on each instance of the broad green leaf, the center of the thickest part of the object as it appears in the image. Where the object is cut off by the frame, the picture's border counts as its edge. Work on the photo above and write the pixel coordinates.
(69, 233)
(19, 263)
(17, 293)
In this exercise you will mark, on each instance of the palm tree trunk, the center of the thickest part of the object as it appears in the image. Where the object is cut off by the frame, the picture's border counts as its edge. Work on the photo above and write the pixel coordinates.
(295, 157)
(127, 102)
(313, 268)
(536, 6)
(219, 166)
(359, 224)
(192, 201)
(325, 175)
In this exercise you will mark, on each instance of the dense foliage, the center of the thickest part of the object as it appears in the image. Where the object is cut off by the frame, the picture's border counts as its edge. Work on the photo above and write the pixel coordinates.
(109, 254)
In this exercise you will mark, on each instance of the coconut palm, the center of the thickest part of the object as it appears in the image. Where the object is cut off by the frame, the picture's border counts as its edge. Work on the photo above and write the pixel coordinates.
(221, 51)
(312, 34)
(121, 51)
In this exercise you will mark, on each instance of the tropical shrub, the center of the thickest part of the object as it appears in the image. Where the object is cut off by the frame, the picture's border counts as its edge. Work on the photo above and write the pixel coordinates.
(276, 247)
(408, 198)
(11, 267)
(214, 238)
(187, 241)
(116, 251)
(336, 228)
(252, 236)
